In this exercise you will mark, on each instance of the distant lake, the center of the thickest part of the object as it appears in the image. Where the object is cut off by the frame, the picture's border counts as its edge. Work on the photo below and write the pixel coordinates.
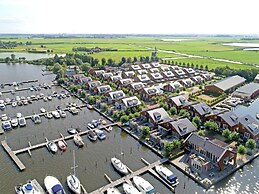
(175, 39)
(242, 44)
(29, 56)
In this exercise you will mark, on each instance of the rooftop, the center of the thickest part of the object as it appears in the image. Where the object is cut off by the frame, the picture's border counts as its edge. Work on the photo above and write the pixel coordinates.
(248, 88)
(230, 118)
(250, 123)
(183, 126)
(229, 82)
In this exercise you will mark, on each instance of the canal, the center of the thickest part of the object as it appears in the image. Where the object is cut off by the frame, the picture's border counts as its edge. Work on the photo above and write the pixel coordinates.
(94, 159)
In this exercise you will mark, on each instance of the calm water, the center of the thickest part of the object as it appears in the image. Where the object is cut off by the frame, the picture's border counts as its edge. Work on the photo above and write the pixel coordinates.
(94, 159)
(29, 56)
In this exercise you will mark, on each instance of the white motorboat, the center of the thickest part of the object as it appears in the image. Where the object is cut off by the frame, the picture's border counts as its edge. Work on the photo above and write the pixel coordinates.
(42, 110)
(4, 117)
(100, 134)
(113, 190)
(92, 135)
(143, 186)
(25, 102)
(72, 181)
(6, 125)
(72, 131)
(90, 126)
(19, 103)
(49, 98)
(78, 140)
(55, 114)
(17, 98)
(62, 114)
(167, 175)
(45, 99)
(14, 122)
(52, 147)
(18, 115)
(7, 100)
(73, 110)
(49, 115)
(14, 104)
(257, 115)
(53, 185)
(22, 121)
(29, 188)
(130, 189)
(2, 106)
(119, 166)
(36, 119)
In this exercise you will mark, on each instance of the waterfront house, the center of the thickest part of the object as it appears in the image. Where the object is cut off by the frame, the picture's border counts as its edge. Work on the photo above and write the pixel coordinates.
(249, 128)
(105, 76)
(84, 80)
(197, 79)
(142, 71)
(172, 86)
(123, 83)
(205, 154)
(135, 87)
(135, 67)
(93, 85)
(200, 109)
(128, 103)
(142, 78)
(156, 77)
(76, 77)
(146, 66)
(186, 83)
(168, 75)
(227, 85)
(248, 91)
(113, 96)
(114, 78)
(128, 74)
(101, 90)
(148, 93)
(228, 120)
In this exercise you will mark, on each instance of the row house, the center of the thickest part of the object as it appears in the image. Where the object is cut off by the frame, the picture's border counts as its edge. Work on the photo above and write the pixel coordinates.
(173, 86)
(148, 93)
(98, 73)
(76, 77)
(180, 73)
(142, 78)
(84, 80)
(156, 65)
(156, 77)
(128, 74)
(135, 87)
(128, 103)
(228, 120)
(186, 83)
(123, 83)
(114, 96)
(179, 102)
(142, 71)
(197, 79)
(206, 154)
(114, 78)
(249, 128)
(146, 66)
(93, 85)
(101, 90)
(169, 75)
(207, 76)
(189, 71)
(154, 70)
(165, 68)
(106, 76)
(200, 109)
(135, 67)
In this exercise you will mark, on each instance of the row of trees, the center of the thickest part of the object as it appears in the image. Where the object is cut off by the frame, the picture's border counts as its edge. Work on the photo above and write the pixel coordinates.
(188, 65)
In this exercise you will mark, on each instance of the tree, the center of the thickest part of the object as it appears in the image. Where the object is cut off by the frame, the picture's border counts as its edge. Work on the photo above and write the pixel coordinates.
(85, 67)
(234, 136)
(211, 126)
(251, 144)
(201, 67)
(103, 61)
(135, 59)
(241, 149)
(168, 147)
(147, 59)
(197, 120)
(124, 119)
(206, 68)
(7, 60)
(129, 60)
(13, 57)
(110, 62)
(201, 132)
(145, 132)
(226, 133)
(173, 111)
(91, 100)
(123, 60)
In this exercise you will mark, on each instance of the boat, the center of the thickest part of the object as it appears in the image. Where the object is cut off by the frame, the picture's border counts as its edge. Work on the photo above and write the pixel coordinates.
(19, 103)
(4, 117)
(14, 104)
(92, 135)
(62, 146)
(62, 114)
(100, 134)
(90, 126)
(52, 147)
(73, 110)
(25, 102)
(102, 121)
(113, 190)
(49, 115)
(89, 106)
(22, 121)
(257, 115)
(53, 185)
(29, 188)
(45, 99)
(55, 114)
(109, 129)
(18, 115)
(72, 181)
(2, 106)
(72, 131)
(14, 122)
(42, 110)
(167, 175)
(78, 140)
(36, 119)
(130, 189)
(143, 186)
(119, 166)
(6, 125)
(49, 98)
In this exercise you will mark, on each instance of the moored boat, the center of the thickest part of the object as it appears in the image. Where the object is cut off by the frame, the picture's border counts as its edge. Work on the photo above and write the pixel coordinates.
(42, 110)
(62, 114)
(31, 187)
(100, 134)
(167, 175)
(53, 185)
(92, 135)
(72, 131)
(130, 189)
(72, 181)
(257, 115)
(36, 119)
(52, 147)
(62, 146)
(6, 125)
(49, 115)
(22, 121)
(55, 114)
(143, 186)
(89, 106)
(14, 104)
(113, 190)
(119, 166)
(14, 122)
(78, 140)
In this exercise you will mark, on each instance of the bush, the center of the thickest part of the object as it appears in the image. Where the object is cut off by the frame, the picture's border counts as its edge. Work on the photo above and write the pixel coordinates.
(211, 126)
(241, 149)
(124, 118)
(251, 144)
(197, 120)
(201, 132)
(173, 111)
(226, 133)
(145, 132)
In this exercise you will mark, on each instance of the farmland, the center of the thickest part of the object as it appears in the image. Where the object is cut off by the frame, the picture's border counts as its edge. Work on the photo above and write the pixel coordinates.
(137, 46)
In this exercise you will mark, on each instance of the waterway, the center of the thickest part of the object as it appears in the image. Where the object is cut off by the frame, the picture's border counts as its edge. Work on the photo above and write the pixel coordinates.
(94, 159)
(28, 56)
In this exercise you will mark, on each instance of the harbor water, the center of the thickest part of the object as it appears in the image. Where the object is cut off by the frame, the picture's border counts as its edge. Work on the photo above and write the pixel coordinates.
(93, 160)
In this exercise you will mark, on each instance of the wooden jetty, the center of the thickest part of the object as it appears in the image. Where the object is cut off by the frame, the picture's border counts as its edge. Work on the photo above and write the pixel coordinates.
(16, 160)
(129, 176)
(22, 82)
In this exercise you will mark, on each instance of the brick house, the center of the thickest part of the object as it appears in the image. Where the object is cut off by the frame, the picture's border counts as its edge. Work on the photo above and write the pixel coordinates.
(135, 87)
(101, 90)
(249, 128)
(128, 74)
(114, 96)
(173, 86)
(127, 103)
(228, 120)
(123, 83)
(148, 93)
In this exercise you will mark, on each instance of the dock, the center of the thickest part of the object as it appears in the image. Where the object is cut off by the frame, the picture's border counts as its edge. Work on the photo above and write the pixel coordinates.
(21, 82)
(16, 160)
(37, 186)
(129, 176)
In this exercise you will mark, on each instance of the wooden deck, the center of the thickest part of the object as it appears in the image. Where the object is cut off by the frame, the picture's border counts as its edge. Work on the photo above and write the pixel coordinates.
(129, 176)
(16, 160)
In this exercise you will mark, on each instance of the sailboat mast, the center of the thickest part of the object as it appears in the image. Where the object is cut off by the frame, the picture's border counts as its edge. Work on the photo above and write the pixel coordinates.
(74, 162)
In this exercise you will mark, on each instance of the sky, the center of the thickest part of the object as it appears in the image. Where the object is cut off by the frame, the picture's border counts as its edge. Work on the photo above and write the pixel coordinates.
(129, 16)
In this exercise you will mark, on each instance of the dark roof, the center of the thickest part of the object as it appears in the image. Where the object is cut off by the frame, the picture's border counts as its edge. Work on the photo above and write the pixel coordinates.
(230, 118)
(159, 115)
(248, 89)
(115, 95)
(183, 126)
(179, 101)
(202, 108)
(229, 82)
(250, 123)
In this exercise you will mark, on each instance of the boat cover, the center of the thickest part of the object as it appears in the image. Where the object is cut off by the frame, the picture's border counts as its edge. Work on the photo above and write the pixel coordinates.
(28, 187)
(57, 189)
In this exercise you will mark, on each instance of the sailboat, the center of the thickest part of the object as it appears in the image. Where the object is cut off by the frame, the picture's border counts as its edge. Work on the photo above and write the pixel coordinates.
(72, 181)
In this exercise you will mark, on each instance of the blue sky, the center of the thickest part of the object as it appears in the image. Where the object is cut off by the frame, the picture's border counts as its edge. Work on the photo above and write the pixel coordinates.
(129, 16)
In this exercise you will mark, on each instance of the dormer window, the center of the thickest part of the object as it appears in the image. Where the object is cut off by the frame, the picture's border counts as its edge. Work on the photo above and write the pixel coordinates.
(157, 116)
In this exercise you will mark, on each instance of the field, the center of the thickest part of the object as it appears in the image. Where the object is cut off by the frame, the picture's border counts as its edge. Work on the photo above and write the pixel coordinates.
(136, 46)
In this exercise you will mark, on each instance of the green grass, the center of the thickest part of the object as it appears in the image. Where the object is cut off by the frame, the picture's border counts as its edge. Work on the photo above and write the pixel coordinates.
(132, 46)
